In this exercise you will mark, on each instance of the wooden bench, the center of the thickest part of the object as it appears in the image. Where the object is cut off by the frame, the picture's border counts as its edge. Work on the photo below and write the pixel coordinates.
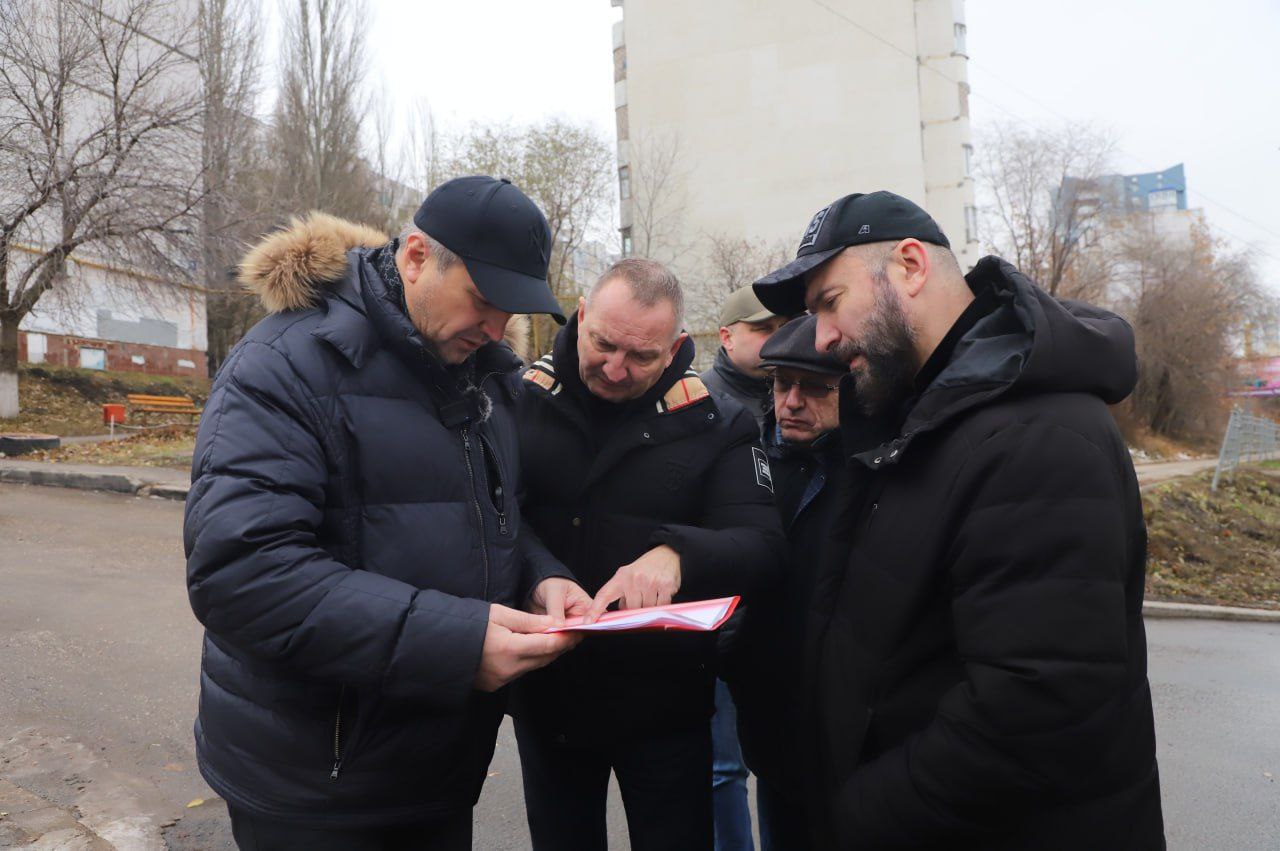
(141, 403)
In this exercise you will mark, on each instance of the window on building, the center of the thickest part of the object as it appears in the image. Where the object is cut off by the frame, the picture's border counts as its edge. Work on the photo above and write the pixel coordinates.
(624, 182)
(183, 363)
(964, 100)
(623, 125)
(626, 242)
(93, 358)
(37, 347)
(620, 63)
(970, 223)
(1162, 199)
(968, 160)
(138, 360)
(961, 47)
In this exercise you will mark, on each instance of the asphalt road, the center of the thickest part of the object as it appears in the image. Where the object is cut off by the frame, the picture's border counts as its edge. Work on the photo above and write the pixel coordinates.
(99, 655)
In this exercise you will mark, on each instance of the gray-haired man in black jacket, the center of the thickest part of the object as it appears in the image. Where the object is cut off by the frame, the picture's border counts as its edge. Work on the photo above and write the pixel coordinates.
(649, 490)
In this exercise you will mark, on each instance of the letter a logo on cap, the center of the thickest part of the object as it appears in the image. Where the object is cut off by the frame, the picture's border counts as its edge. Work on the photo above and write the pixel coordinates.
(811, 232)
(864, 230)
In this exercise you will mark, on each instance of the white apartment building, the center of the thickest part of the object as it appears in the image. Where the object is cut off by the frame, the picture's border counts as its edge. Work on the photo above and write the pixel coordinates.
(741, 119)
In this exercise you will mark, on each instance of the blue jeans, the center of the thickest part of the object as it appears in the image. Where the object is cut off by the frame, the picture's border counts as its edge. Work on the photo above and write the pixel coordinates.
(729, 777)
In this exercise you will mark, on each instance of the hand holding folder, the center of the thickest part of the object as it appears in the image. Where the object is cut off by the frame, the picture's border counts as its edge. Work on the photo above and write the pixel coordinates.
(700, 616)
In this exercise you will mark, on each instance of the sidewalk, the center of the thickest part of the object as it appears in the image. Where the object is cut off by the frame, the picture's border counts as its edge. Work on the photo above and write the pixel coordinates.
(138, 481)
(1154, 472)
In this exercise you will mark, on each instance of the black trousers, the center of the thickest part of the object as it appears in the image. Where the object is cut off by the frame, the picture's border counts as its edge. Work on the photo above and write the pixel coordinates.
(665, 783)
(452, 833)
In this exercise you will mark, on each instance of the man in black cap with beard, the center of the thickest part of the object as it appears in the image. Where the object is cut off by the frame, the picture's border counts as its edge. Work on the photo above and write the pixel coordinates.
(975, 660)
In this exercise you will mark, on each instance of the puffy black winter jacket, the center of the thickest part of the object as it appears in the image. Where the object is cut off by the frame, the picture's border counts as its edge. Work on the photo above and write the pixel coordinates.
(976, 661)
(343, 547)
(679, 467)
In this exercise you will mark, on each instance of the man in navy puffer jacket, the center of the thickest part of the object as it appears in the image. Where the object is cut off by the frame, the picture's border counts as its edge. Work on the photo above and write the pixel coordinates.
(354, 542)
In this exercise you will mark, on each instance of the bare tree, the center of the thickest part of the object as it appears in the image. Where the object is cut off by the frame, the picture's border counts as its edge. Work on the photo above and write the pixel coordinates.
(99, 124)
(657, 204)
(1044, 200)
(1189, 301)
(731, 264)
(424, 154)
(315, 148)
(567, 169)
(234, 207)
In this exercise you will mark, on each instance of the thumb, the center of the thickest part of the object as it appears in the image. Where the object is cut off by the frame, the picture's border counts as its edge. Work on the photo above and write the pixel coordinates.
(518, 621)
(555, 602)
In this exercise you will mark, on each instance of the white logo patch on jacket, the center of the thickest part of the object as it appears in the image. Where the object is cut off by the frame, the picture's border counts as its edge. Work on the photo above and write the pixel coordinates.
(764, 476)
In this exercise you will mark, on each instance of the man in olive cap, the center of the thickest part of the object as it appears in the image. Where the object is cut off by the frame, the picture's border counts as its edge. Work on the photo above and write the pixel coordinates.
(745, 326)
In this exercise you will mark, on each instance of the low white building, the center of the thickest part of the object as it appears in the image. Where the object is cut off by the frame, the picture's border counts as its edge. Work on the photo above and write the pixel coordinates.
(105, 317)
(105, 312)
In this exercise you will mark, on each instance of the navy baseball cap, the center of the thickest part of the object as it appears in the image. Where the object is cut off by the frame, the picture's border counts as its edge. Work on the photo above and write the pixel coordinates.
(501, 236)
(855, 219)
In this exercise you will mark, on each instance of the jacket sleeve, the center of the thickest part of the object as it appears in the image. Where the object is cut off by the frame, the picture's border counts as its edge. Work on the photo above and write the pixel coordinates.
(738, 547)
(259, 579)
(1037, 567)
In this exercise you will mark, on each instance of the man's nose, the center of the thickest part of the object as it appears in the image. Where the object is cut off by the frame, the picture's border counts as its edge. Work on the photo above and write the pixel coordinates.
(494, 324)
(794, 399)
(614, 368)
(826, 334)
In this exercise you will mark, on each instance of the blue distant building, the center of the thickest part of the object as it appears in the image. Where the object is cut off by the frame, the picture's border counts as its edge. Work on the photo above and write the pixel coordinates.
(1124, 194)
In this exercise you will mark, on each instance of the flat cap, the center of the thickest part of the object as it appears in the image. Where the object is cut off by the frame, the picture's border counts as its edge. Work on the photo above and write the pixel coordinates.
(794, 346)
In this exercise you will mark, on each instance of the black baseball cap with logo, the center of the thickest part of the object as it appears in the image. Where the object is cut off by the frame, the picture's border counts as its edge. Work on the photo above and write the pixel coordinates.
(855, 219)
(501, 236)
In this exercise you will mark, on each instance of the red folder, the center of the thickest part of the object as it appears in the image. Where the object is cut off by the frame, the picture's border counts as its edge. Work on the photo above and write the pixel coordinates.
(700, 616)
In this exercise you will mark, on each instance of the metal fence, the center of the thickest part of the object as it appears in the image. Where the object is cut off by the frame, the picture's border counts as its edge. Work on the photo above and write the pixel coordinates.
(1248, 439)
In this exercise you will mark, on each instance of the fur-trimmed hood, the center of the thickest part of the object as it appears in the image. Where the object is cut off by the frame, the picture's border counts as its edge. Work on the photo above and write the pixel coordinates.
(291, 268)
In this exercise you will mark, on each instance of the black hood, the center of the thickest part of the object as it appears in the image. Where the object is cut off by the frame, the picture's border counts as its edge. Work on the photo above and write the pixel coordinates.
(1031, 343)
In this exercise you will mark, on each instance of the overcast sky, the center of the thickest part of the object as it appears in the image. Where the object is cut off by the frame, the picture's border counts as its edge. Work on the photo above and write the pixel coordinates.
(1178, 81)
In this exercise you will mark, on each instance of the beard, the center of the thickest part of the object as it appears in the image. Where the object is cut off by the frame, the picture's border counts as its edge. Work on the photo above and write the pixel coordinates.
(888, 345)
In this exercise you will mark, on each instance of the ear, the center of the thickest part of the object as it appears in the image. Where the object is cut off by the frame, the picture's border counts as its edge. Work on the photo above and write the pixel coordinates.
(582, 309)
(726, 338)
(675, 347)
(913, 258)
(413, 257)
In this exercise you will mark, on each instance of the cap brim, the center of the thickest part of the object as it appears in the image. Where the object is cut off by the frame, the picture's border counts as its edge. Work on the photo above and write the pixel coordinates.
(807, 366)
(762, 316)
(513, 292)
(782, 291)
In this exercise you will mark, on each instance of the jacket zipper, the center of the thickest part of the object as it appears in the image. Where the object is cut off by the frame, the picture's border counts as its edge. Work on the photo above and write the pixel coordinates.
(337, 737)
(475, 501)
(499, 495)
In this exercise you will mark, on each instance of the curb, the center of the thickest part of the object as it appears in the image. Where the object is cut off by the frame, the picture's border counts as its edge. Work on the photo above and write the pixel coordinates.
(110, 482)
(1161, 610)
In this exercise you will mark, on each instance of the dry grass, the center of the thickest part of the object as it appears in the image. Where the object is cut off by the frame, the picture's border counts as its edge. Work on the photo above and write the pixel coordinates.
(67, 402)
(1216, 547)
(170, 447)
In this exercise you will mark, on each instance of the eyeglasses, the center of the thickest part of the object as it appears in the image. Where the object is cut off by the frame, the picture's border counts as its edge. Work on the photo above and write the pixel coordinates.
(808, 389)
